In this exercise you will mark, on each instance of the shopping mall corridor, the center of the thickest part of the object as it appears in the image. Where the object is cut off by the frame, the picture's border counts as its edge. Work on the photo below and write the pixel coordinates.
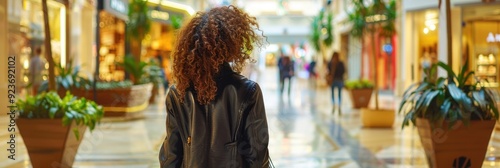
(303, 133)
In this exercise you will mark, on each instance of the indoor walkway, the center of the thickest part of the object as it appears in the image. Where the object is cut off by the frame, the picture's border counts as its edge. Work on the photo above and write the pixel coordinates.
(303, 133)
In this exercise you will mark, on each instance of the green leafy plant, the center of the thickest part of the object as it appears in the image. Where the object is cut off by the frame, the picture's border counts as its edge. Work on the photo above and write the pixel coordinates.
(139, 22)
(138, 26)
(67, 78)
(451, 99)
(113, 85)
(358, 84)
(322, 32)
(153, 73)
(176, 21)
(136, 69)
(357, 18)
(69, 109)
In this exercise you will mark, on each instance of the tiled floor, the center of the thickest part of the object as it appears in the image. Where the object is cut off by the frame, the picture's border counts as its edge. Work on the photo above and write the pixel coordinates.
(303, 133)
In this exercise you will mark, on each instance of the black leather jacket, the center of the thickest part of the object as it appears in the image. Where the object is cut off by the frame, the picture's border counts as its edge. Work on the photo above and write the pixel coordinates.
(231, 131)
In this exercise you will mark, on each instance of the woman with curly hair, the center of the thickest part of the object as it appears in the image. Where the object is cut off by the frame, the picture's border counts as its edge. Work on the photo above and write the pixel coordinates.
(215, 116)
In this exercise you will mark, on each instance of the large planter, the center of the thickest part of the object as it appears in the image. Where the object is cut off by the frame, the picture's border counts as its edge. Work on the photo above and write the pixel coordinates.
(378, 118)
(49, 143)
(461, 146)
(360, 98)
(120, 102)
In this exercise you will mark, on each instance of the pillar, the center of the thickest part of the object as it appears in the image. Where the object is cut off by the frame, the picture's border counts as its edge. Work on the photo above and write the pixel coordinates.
(3, 57)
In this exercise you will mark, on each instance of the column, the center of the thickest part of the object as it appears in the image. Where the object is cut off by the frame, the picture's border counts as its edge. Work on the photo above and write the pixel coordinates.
(87, 39)
(3, 57)
(456, 36)
(443, 41)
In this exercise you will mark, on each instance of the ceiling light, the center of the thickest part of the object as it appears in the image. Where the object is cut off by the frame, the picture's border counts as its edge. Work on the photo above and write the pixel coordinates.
(426, 30)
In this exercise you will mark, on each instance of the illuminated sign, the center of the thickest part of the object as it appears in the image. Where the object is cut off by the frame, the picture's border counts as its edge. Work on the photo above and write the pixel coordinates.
(118, 8)
(118, 5)
(493, 38)
(160, 15)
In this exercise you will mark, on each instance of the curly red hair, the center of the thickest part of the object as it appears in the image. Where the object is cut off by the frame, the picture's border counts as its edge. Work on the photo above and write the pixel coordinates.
(221, 35)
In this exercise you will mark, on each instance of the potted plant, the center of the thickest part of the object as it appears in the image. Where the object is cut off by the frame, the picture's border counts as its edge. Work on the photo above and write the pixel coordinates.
(53, 127)
(446, 111)
(360, 91)
(124, 98)
(67, 79)
(364, 23)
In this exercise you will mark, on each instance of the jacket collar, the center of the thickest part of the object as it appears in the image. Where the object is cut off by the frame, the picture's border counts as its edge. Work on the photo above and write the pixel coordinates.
(225, 69)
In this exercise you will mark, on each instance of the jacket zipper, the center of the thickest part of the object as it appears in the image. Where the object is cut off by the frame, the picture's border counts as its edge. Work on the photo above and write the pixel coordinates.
(190, 131)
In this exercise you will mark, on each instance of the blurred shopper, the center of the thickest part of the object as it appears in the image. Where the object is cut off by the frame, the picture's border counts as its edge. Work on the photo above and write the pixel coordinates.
(37, 65)
(215, 116)
(163, 74)
(287, 71)
(336, 72)
(312, 73)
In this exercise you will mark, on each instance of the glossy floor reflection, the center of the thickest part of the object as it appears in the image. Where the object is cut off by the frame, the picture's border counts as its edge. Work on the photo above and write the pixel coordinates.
(303, 133)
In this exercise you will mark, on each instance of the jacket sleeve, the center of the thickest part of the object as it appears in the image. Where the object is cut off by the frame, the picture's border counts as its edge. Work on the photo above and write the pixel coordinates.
(256, 134)
(171, 151)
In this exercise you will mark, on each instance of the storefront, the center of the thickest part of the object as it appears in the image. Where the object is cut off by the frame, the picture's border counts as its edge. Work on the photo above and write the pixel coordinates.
(112, 39)
(31, 32)
(166, 20)
(472, 22)
(361, 53)
(159, 43)
(481, 42)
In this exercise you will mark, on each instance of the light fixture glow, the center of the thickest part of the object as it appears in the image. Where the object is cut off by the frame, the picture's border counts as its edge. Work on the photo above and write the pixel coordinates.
(186, 8)
(26, 64)
(426, 30)
(432, 27)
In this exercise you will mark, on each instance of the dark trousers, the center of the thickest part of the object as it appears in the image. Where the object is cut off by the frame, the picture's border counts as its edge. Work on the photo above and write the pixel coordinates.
(282, 84)
(339, 85)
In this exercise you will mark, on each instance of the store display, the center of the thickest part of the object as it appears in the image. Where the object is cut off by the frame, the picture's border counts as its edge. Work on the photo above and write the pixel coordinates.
(486, 68)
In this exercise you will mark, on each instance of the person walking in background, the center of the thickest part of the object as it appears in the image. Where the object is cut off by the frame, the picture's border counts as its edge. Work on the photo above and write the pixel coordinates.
(336, 70)
(163, 74)
(287, 71)
(37, 65)
(312, 73)
(215, 116)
